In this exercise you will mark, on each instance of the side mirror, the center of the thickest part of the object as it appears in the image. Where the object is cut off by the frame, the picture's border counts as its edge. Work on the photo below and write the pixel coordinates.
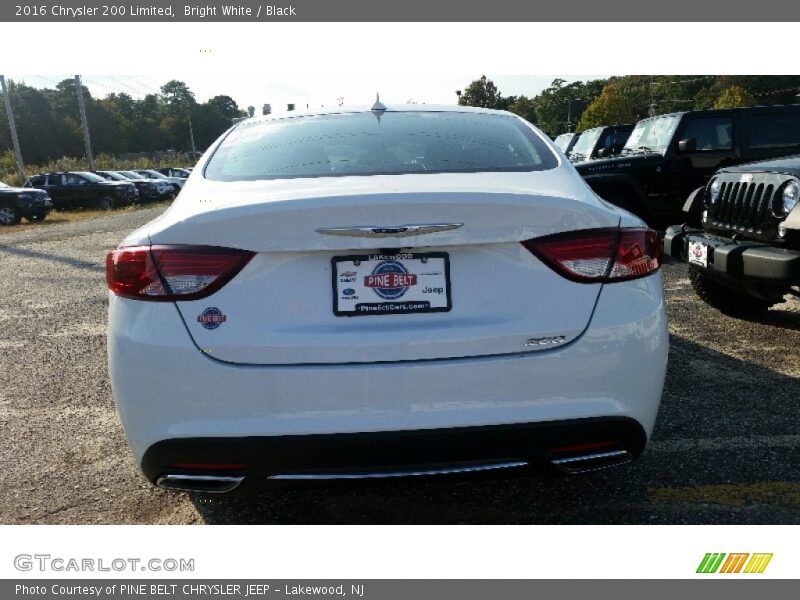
(687, 146)
(603, 153)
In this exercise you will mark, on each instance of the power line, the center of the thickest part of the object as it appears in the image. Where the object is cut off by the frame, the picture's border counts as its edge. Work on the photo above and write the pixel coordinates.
(137, 91)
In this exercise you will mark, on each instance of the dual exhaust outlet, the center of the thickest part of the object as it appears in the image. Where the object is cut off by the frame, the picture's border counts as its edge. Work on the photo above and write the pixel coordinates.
(223, 484)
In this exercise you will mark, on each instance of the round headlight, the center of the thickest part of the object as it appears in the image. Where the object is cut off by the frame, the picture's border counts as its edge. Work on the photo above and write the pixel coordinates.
(791, 196)
(713, 190)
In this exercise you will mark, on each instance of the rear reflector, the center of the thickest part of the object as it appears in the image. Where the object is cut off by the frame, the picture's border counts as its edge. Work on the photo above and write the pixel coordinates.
(168, 273)
(600, 255)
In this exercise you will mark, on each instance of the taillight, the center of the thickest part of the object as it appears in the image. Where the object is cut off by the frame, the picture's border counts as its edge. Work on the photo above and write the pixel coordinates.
(167, 273)
(600, 255)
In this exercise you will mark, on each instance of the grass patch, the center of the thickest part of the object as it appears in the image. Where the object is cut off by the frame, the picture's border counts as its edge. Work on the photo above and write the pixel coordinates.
(58, 217)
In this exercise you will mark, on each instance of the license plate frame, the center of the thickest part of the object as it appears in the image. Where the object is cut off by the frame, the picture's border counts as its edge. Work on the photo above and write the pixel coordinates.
(373, 304)
(697, 252)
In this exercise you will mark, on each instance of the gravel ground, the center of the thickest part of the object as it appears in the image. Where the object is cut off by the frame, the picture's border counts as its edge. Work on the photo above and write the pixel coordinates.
(726, 448)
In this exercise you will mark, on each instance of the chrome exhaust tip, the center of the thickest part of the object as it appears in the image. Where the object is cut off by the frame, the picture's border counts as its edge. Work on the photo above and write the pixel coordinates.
(586, 463)
(206, 484)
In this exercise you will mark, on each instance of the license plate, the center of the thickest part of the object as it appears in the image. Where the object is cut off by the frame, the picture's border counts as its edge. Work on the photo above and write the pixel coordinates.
(698, 254)
(391, 284)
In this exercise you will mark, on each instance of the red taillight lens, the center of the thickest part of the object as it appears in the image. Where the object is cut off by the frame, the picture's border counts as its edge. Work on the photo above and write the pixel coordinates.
(167, 273)
(600, 255)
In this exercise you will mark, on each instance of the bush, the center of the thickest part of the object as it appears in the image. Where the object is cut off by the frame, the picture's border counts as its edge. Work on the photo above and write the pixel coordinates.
(104, 162)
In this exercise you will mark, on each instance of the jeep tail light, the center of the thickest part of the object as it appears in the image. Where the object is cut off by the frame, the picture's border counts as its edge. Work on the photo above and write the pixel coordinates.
(168, 273)
(600, 255)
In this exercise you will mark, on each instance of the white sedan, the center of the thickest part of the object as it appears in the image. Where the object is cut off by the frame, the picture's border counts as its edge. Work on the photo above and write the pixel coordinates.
(384, 292)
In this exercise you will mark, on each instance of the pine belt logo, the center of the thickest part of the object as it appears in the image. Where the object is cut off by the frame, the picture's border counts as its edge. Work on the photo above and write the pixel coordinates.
(390, 279)
(211, 318)
(741, 562)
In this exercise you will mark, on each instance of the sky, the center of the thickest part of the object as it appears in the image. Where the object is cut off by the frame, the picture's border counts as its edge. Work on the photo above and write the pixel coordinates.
(313, 91)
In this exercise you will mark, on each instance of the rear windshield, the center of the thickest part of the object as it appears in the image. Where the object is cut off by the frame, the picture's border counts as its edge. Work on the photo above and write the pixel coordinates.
(361, 144)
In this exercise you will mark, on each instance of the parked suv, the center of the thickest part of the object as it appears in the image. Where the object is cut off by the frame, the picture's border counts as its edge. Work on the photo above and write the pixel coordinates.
(600, 142)
(174, 172)
(177, 182)
(149, 189)
(73, 189)
(668, 156)
(566, 141)
(16, 203)
(745, 255)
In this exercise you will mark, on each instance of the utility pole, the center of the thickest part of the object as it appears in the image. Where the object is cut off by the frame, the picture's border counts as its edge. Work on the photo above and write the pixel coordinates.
(86, 140)
(13, 127)
(191, 131)
(569, 116)
(652, 109)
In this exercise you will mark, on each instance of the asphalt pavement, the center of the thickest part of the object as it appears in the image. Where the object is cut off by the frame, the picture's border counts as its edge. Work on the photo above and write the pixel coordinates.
(726, 448)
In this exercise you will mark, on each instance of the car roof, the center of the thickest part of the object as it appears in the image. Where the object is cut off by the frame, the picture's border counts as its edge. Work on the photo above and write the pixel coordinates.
(722, 111)
(672, 114)
(395, 108)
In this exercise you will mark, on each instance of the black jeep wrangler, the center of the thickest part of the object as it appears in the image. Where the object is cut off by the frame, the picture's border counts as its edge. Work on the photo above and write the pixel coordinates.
(16, 203)
(600, 142)
(84, 189)
(669, 156)
(745, 254)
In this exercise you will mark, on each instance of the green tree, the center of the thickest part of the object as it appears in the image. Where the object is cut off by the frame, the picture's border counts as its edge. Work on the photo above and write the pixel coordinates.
(36, 124)
(214, 117)
(524, 107)
(611, 107)
(561, 105)
(735, 97)
(481, 92)
(177, 95)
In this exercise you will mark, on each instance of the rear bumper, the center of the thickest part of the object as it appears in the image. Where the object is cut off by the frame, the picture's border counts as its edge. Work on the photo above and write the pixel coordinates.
(172, 397)
(736, 260)
(251, 463)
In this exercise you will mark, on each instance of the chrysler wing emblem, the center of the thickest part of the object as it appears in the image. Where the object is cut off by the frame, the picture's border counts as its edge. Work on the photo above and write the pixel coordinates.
(383, 232)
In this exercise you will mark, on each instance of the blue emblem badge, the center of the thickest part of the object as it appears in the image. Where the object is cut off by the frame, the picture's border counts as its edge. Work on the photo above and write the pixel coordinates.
(211, 318)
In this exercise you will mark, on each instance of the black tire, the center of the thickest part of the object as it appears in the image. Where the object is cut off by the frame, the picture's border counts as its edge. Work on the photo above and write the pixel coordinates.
(105, 203)
(725, 299)
(9, 214)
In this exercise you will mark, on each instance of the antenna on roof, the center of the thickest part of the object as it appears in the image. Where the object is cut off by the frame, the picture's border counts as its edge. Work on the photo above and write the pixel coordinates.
(378, 108)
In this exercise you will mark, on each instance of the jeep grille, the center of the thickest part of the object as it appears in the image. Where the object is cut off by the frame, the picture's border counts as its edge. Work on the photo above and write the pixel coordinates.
(742, 206)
